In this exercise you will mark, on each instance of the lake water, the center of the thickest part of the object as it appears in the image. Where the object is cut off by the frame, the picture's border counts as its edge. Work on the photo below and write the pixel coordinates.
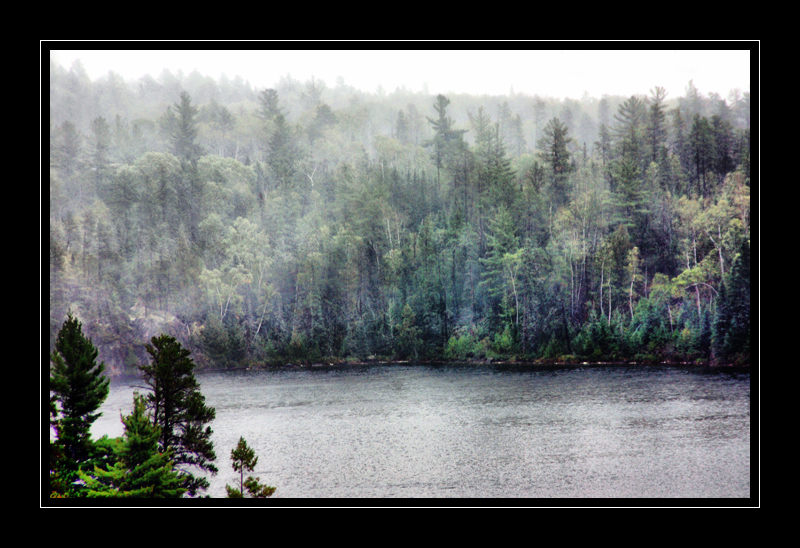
(479, 431)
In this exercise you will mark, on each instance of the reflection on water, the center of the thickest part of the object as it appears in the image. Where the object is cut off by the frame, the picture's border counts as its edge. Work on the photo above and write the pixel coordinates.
(467, 431)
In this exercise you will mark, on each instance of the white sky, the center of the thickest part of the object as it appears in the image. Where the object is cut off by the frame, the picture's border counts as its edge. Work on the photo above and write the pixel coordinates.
(554, 73)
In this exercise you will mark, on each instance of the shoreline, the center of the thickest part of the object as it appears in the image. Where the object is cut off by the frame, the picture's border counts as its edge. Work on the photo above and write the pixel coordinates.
(361, 363)
(465, 363)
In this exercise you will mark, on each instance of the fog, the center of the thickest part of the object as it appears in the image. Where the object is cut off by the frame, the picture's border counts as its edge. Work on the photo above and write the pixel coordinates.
(297, 213)
(560, 74)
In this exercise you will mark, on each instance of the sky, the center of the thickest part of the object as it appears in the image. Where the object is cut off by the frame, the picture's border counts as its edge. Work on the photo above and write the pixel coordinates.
(554, 73)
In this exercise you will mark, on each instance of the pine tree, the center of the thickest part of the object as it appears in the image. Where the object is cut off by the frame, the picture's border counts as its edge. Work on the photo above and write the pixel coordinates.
(732, 322)
(178, 408)
(701, 146)
(141, 470)
(447, 137)
(656, 122)
(283, 154)
(553, 147)
(268, 101)
(78, 384)
(244, 458)
(180, 122)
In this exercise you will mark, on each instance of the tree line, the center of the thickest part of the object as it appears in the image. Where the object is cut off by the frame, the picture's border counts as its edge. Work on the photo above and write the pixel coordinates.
(284, 228)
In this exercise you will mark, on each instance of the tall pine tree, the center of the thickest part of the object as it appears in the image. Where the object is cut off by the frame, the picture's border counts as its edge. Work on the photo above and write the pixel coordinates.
(78, 385)
(180, 123)
(178, 408)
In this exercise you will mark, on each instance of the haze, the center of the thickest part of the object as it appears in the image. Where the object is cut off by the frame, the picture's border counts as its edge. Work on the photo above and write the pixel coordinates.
(556, 73)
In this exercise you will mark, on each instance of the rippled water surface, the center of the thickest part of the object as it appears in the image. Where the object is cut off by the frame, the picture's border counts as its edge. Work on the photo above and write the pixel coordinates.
(479, 431)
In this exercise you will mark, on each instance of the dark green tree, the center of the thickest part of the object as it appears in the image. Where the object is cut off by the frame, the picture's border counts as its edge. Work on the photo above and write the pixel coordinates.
(178, 408)
(78, 385)
(553, 147)
(446, 138)
(283, 154)
(656, 122)
(701, 145)
(268, 103)
(180, 123)
(402, 128)
(141, 471)
(722, 148)
(325, 118)
(407, 335)
(731, 334)
(244, 458)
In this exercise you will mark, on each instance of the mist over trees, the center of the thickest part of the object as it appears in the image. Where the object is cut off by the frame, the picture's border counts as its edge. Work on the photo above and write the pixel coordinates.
(315, 223)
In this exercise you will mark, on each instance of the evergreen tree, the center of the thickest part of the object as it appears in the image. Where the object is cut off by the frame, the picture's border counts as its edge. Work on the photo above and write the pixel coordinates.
(402, 129)
(702, 152)
(446, 138)
(656, 122)
(180, 123)
(141, 470)
(732, 322)
(243, 459)
(78, 385)
(283, 154)
(407, 335)
(178, 408)
(268, 101)
(553, 147)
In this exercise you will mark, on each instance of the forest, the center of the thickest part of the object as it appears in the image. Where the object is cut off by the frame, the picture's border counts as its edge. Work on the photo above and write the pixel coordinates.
(315, 224)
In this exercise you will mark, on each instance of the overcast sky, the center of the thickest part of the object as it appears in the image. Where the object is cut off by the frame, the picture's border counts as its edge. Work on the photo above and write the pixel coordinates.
(554, 73)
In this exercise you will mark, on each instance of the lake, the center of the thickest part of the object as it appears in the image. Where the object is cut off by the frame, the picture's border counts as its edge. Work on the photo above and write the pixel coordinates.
(488, 431)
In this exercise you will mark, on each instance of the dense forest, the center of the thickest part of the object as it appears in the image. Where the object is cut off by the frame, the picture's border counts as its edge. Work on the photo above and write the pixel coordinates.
(313, 224)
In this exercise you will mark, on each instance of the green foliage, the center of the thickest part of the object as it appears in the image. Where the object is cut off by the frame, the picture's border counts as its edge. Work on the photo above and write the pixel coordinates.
(732, 324)
(244, 458)
(272, 231)
(141, 471)
(178, 409)
(79, 387)
(180, 123)
(407, 335)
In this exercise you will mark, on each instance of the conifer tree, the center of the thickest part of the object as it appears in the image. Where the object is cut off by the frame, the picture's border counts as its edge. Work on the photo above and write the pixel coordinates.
(142, 470)
(178, 408)
(446, 138)
(656, 122)
(732, 322)
(180, 122)
(553, 147)
(244, 458)
(78, 385)
(283, 154)
(268, 101)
